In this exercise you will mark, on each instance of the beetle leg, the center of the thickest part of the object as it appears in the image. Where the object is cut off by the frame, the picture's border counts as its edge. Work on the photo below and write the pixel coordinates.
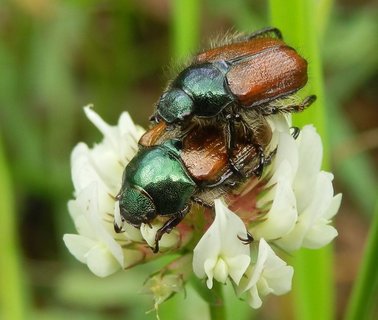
(169, 225)
(230, 134)
(266, 111)
(202, 202)
(300, 106)
(221, 180)
(269, 158)
(247, 240)
(270, 110)
(249, 134)
(154, 118)
(230, 144)
(263, 161)
(269, 31)
(258, 170)
(295, 132)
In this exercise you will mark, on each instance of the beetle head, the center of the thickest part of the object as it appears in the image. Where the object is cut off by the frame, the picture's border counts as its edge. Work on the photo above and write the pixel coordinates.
(175, 105)
(136, 206)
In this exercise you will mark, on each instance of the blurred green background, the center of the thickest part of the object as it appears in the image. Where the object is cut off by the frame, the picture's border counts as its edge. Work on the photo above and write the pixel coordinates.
(57, 56)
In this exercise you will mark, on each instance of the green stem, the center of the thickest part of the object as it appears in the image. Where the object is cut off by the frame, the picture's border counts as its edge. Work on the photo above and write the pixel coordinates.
(365, 290)
(214, 297)
(313, 283)
(216, 305)
(11, 287)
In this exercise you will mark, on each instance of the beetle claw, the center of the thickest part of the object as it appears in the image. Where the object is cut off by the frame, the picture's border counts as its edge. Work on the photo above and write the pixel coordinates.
(117, 228)
(247, 240)
(156, 248)
(295, 132)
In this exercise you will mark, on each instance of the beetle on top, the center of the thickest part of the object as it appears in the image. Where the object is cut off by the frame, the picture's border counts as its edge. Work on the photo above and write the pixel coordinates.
(223, 84)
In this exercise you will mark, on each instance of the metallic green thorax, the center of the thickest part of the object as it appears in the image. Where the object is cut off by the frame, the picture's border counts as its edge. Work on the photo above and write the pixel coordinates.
(199, 90)
(155, 183)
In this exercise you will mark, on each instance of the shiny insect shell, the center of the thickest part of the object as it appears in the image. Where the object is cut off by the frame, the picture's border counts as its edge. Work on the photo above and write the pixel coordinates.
(224, 85)
(163, 179)
(249, 72)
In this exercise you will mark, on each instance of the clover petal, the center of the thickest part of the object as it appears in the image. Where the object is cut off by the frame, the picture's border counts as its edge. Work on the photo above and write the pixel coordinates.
(218, 250)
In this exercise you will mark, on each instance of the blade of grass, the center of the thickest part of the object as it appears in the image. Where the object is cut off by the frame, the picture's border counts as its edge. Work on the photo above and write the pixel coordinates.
(12, 289)
(239, 11)
(365, 290)
(313, 284)
(15, 122)
(324, 8)
(185, 27)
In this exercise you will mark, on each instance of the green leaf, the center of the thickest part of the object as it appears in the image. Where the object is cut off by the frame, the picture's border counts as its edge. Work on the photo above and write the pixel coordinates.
(365, 290)
(12, 288)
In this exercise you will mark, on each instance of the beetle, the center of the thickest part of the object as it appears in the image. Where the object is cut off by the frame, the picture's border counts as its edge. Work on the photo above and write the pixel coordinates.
(168, 174)
(223, 84)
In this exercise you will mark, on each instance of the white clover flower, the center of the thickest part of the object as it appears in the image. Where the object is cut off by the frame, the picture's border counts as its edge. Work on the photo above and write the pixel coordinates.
(94, 245)
(299, 196)
(313, 229)
(280, 197)
(96, 175)
(291, 206)
(220, 253)
(267, 274)
(314, 193)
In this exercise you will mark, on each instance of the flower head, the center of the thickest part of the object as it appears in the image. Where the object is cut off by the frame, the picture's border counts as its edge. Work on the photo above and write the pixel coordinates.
(220, 253)
(290, 206)
(266, 274)
(96, 176)
(300, 195)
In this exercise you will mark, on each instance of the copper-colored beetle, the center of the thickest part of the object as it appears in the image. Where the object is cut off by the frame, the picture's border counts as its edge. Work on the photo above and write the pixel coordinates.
(225, 84)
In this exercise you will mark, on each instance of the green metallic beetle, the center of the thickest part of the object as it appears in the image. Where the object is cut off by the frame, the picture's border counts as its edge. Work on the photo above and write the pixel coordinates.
(156, 183)
(164, 178)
